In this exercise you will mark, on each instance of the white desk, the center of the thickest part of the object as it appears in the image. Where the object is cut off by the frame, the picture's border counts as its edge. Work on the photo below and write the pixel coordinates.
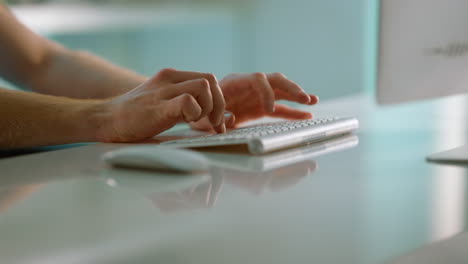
(369, 204)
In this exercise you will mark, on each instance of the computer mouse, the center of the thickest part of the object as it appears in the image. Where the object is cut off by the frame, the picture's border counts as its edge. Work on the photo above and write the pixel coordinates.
(153, 157)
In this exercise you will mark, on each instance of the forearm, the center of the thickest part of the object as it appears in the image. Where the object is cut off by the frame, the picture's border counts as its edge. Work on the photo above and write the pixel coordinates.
(29, 119)
(81, 75)
(41, 65)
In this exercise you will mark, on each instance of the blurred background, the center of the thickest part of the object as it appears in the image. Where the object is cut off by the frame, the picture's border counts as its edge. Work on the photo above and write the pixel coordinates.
(325, 45)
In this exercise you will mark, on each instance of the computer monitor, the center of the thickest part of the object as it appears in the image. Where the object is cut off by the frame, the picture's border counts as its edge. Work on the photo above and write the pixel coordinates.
(422, 54)
(423, 49)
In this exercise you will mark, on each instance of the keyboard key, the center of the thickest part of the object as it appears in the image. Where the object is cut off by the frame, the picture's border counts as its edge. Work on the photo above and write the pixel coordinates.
(281, 134)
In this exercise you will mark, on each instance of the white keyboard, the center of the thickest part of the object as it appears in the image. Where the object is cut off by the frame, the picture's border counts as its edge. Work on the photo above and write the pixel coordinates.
(270, 137)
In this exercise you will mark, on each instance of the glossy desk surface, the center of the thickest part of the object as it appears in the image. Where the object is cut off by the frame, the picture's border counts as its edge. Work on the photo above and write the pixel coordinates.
(371, 203)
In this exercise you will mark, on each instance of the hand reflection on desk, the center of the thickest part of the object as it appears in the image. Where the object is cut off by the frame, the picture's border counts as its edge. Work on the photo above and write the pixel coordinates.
(253, 174)
(206, 194)
(9, 197)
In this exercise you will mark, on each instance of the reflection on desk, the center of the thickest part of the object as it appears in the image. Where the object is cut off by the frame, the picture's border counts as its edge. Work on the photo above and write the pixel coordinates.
(254, 174)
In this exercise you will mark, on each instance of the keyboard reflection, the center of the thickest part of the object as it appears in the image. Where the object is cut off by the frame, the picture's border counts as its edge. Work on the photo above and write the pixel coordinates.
(253, 174)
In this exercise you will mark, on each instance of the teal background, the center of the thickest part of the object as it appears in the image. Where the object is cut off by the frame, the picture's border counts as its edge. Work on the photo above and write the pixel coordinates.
(327, 46)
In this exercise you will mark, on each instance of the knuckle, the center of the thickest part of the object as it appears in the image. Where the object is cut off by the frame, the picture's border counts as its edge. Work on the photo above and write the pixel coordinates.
(186, 98)
(165, 73)
(259, 75)
(278, 75)
(210, 77)
(204, 83)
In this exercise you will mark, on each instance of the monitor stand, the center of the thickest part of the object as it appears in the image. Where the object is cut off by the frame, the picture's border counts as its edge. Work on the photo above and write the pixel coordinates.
(457, 155)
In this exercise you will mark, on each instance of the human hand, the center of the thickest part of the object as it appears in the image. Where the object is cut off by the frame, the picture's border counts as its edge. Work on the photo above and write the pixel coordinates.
(162, 101)
(252, 96)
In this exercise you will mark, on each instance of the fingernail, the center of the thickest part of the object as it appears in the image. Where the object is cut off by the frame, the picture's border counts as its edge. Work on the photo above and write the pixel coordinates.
(231, 122)
(229, 119)
(222, 128)
(222, 119)
(316, 98)
(226, 117)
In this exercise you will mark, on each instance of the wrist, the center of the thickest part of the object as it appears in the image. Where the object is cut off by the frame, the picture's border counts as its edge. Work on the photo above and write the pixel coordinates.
(95, 120)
